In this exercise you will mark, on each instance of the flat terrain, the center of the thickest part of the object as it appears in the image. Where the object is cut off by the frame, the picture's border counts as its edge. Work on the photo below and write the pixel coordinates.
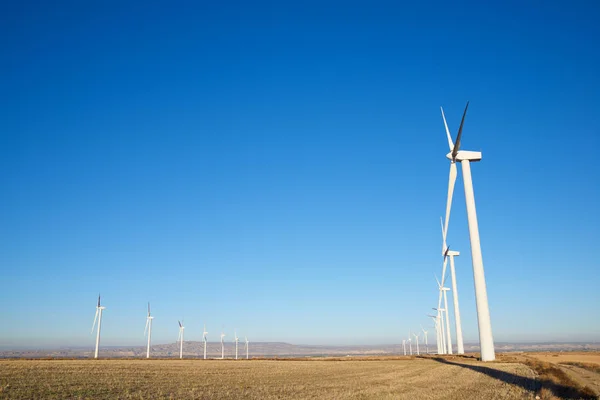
(265, 379)
(583, 368)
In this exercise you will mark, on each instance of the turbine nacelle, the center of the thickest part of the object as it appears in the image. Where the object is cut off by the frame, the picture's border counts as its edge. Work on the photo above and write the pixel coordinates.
(462, 155)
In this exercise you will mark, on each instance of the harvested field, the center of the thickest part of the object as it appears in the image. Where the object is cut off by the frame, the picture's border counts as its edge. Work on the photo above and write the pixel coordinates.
(264, 379)
(558, 358)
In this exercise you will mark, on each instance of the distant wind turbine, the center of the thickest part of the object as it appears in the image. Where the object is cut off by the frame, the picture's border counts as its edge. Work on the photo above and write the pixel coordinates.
(417, 342)
(425, 335)
(404, 345)
(438, 336)
(410, 344)
(148, 329)
(247, 342)
(180, 339)
(98, 316)
(448, 336)
(222, 346)
(236, 340)
(204, 340)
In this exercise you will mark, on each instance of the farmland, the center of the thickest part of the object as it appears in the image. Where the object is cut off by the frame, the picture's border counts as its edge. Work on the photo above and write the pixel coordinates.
(264, 379)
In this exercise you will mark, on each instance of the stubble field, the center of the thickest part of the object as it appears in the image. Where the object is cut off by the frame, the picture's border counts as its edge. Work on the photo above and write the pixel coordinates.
(265, 379)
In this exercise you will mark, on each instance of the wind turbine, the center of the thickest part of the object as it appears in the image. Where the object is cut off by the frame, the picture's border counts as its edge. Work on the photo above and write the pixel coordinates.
(98, 316)
(246, 347)
(404, 345)
(417, 341)
(486, 339)
(204, 340)
(222, 346)
(409, 343)
(425, 335)
(440, 318)
(149, 330)
(446, 252)
(180, 339)
(448, 336)
(236, 340)
(438, 340)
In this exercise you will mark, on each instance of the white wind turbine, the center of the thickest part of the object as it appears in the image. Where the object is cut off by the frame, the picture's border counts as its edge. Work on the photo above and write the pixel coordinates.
(404, 345)
(222, 346)
(204, 340)
(417, 342)
(247, 342)
(98, 316)
(444, 290)
(438, 339)
(409, 343)
(236, 340)
(440, 318)
(180, 339)
(148, 329)
(425, 335)
(446, 252)
(486, 339)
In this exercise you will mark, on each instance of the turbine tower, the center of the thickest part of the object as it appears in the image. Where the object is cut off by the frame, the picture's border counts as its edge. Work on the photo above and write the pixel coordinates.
(409, 344)
(180, 339)
(204, 340)
(222, 346)
(148, 329)
(404, 345)
(446, 252)
(486, 339)
(444, 290)
(236, 340)
(246, 347)
(425, 335)
(98, 316)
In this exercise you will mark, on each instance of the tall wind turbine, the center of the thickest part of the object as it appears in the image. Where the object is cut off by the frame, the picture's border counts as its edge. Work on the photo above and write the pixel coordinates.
(417, 341)
(236, 340)
(148, 329)
(247, 342)
(425, 335)
(180, 339)
(222, 346)
(204, 340)
(448, 336)
(486, 339)
(98, 316)
(446, 252)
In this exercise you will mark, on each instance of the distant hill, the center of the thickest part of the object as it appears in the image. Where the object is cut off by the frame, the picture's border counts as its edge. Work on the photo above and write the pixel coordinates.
(194, 349)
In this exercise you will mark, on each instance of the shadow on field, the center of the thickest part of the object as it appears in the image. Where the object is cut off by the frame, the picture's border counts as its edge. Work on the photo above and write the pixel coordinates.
(558, 390)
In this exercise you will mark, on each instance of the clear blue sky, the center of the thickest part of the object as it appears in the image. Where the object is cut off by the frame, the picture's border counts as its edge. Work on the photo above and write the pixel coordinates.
(280, 168)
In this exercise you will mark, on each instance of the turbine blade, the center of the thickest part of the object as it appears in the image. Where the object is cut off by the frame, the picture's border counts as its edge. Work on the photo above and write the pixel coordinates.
(438, 282)
(94, 324)
(98, 299)
(444, 264)
(179, 323)
(148, 308)
(457, 144)
(451, 183)
(450, 144)
(146, 328)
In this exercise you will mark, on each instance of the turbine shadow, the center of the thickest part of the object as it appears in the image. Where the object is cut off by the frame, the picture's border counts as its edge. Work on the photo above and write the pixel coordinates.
(531, 384)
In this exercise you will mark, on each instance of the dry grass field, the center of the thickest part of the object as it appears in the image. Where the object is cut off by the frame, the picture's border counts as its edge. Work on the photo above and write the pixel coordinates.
(264, 379)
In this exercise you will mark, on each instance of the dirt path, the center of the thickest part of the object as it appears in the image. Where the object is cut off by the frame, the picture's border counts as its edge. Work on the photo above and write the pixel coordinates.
(583, 377)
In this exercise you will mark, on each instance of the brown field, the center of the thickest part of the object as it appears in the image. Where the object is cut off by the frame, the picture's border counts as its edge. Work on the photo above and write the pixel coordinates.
(559, 358)
(404, 378)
